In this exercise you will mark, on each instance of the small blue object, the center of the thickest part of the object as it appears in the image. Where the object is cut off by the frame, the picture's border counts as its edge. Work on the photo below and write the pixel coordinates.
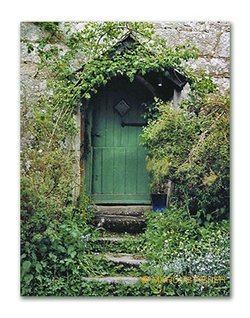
(159, 202)
(159, 208)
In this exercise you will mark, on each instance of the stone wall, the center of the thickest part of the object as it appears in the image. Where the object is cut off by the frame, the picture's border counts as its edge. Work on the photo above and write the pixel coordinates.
(212, 38)
(213, 41)
(32, 82)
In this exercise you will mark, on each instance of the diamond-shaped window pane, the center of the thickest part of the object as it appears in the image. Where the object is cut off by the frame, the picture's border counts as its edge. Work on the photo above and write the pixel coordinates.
(122, 107)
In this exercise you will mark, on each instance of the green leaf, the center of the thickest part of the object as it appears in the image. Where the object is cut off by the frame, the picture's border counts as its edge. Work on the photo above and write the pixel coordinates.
(28, 278)
(87, 95)
(208, 217)
(26, 267)
(71, 248)
(73, 254)
(39, 267)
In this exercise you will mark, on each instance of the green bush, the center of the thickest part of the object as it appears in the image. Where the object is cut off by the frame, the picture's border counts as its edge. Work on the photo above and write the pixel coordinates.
(53, 249)
(191, 148)
(54, 231)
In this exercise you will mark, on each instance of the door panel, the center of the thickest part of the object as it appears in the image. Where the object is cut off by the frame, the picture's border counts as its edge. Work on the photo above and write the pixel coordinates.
(118, 169)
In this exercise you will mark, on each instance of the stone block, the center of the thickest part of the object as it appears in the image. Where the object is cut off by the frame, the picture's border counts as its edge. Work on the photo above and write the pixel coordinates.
(214, 66)
(30, 32)
(206, 42)
(223, 84)
(26, 56)
(224, 45)
(171, 36)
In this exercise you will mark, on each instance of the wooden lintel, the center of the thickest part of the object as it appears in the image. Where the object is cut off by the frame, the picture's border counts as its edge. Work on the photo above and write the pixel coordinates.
(144, 82)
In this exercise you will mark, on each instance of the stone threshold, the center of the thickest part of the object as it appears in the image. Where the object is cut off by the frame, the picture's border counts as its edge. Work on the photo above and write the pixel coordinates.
(122, 210)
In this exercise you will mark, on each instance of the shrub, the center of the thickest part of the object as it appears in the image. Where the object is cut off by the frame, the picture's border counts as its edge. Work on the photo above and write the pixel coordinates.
(192, 150)
(54, 250)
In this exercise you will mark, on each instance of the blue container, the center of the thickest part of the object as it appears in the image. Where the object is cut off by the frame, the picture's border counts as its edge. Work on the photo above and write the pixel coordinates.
(159, 201)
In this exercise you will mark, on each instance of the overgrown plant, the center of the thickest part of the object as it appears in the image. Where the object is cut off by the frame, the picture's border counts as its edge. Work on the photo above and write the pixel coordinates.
(177, 246)
(191, 148)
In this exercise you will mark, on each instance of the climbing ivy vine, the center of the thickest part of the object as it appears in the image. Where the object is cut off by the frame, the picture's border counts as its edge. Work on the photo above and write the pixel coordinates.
(82, 63)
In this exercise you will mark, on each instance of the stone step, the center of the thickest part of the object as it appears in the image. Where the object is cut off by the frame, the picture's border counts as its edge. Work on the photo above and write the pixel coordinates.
(120, 219)
(111, 239)
(124, 259)
(120, 223)
(113, 280)
(122, 210)
(125, 243)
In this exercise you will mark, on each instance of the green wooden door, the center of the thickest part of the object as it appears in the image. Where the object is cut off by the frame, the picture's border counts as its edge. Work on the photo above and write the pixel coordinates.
(119, 174)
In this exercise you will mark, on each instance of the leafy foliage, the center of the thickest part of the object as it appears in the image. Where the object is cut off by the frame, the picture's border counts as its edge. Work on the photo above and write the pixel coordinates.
(192, 150)
(177, 245)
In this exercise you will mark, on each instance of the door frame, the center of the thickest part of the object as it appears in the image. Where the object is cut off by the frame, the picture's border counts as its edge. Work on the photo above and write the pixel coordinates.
(88, 153)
